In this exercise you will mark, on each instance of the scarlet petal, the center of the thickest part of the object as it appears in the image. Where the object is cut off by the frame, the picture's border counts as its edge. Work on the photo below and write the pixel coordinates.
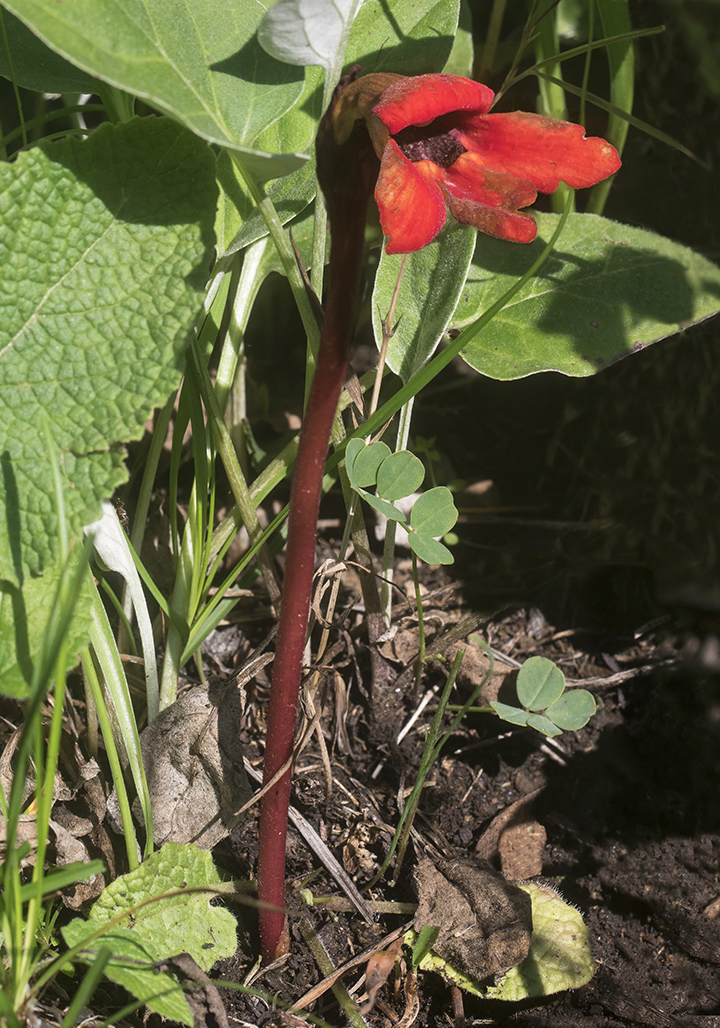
(411, 204)
(544, 150)
(489, 200)
(418, 100)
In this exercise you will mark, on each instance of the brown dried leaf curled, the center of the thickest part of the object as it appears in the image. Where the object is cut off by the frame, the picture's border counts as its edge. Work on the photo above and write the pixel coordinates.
(485, 922)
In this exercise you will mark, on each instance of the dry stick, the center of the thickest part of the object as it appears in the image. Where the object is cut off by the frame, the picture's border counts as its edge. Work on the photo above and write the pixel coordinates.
(347, 174)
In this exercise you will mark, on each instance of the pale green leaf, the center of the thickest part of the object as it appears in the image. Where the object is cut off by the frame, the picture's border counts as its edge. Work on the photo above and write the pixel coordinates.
(607, 291)
(573, 710)
(131, 966)
(434, 513)
(184, 923)
(431, 286)
(540, 682)
(429, 549)
(105, 249)
(199, 62)
(388, 510)
(399, 475)
(543, 725)
(367, 461)
(559, 958)
(515, 715)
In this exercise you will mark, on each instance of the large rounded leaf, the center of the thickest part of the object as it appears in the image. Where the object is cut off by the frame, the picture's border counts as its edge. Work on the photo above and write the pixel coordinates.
(199, 61)
(105, 249)
(607, 291)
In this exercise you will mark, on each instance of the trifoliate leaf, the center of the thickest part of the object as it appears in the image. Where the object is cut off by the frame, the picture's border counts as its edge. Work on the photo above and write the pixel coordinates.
(515, 715)
(544, 725)
(366, 463)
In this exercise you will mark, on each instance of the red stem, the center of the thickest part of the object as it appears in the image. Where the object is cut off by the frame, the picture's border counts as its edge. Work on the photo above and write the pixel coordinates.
(347, 210)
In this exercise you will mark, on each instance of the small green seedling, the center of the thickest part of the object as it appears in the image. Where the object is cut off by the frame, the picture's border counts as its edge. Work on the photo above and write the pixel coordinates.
(396, 476)
(546, 705)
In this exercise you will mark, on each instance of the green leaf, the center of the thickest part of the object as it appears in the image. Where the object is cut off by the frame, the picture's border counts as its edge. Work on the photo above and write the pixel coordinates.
(460, 61)
(399, 475)
(383, 507)
(35, 65)
(573, 710)
(434, 513)
(308, 31)
(429, 549)
(240, 222)
(105, 249)
(366, 463)
(183, 923)
(410, 37)
(607, 291)
(544, 725)
(131, 966)
(425, 941)
(199, 62)
(560, 956)
(62, 878)
(431, 287)
(24, 624)
(515, 715)
(539, 683)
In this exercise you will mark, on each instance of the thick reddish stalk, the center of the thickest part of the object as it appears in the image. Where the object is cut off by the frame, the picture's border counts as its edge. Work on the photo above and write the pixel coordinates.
(349, 176)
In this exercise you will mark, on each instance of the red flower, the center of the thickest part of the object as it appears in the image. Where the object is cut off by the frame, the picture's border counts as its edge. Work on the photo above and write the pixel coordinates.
(439, 149)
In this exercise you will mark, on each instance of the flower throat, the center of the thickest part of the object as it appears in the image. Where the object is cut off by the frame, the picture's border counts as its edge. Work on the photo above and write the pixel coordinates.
(418, 145)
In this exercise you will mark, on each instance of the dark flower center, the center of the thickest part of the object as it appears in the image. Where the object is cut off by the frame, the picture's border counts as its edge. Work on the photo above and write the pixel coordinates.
(421, 144)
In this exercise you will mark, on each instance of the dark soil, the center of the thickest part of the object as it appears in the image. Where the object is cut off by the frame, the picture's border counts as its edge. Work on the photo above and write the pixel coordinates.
(629, 806)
